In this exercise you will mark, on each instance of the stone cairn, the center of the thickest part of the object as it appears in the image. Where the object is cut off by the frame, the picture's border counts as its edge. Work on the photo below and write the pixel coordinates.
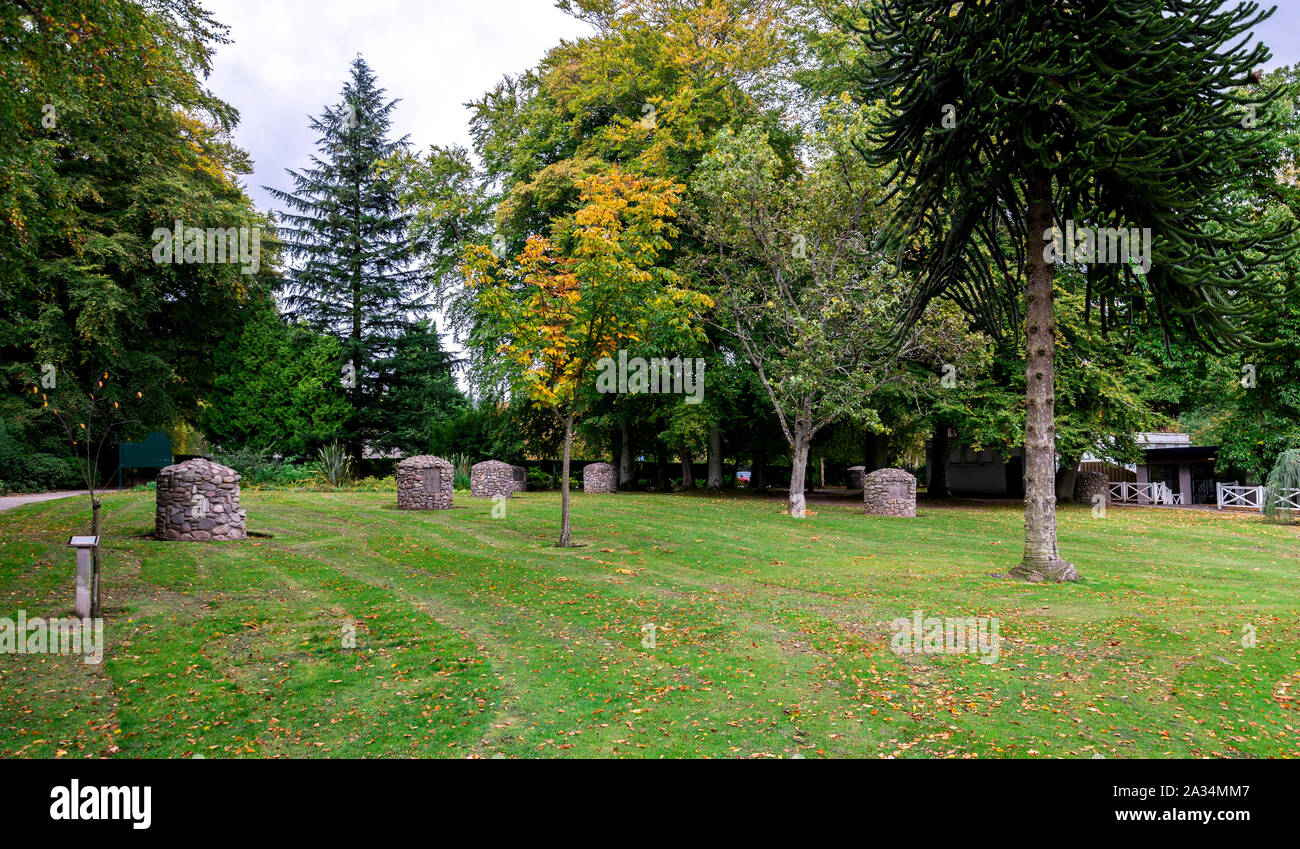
(889, 492)
(198, 500)
(424, 483)
(599, 477)
(521, 478)
(491, 478)
(1088, 485)
(857, 477)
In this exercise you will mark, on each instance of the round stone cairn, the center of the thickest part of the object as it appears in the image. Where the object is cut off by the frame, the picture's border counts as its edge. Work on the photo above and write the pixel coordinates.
(520, 478)
(424, 483)
(491, 478)
(889, 492)
(599, 477)
(1088, 485)
(857, 477)
(198, 501)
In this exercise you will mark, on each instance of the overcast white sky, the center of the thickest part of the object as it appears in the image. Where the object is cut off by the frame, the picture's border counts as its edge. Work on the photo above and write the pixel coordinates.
(290, 58)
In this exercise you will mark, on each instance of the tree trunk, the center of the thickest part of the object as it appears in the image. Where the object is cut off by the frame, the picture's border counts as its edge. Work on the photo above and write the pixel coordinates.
(566, 537)
(877, 451)
(1065, 478)
(757, 479)
(799, 471)
(715, 458)
(688, 472)
(660, 484)
(625, 460)
(937, 487)
(355, 445)
(1041, 561)
(95, 504)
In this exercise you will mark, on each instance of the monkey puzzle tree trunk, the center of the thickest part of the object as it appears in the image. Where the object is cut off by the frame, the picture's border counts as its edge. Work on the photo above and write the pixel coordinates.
(566, 537)
(799, 469)
(1041, 560)
(715, 458)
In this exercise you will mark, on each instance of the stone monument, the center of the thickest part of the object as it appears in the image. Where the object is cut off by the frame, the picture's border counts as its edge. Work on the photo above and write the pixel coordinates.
(599, 477)
(889, 492)
(424, 483)
(491, 478)
(198, 500)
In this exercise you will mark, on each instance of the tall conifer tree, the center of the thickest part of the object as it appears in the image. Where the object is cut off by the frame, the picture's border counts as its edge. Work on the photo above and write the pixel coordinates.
(1008, 119)
(354, 273)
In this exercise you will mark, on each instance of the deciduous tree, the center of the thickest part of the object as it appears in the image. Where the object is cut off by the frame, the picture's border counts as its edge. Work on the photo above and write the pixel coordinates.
(574, 296)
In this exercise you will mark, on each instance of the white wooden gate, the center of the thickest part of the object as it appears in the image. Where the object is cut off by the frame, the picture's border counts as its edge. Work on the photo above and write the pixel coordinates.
(1232, 497)
(1144, 493)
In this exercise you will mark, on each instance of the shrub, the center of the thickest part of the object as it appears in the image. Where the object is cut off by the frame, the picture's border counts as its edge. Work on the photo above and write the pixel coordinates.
(259, 470)
(39, 472)
(252, 464)
(538, 479)
(373, 484)
(460, 477)
(335, 463)
(488, 430)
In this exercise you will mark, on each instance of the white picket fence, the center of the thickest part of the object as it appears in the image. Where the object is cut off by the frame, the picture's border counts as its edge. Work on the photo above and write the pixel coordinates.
(1232, 497)
(1157, 492)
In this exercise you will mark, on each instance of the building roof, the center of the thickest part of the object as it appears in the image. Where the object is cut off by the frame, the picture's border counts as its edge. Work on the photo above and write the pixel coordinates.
(1205, 453)
(1163, 440)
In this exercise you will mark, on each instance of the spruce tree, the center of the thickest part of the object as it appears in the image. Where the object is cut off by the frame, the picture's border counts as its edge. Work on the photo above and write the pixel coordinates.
(1004, 120)
(354, 273)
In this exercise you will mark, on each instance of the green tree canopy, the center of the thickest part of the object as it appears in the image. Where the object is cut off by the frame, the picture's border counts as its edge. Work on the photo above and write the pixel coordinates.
(107, 134)
(276, 387)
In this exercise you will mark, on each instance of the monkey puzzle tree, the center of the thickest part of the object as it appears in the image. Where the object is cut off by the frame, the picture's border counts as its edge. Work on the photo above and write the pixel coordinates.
(1008, 121)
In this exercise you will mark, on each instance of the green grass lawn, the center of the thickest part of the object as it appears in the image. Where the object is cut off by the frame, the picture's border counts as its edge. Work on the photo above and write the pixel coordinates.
(475, 636)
